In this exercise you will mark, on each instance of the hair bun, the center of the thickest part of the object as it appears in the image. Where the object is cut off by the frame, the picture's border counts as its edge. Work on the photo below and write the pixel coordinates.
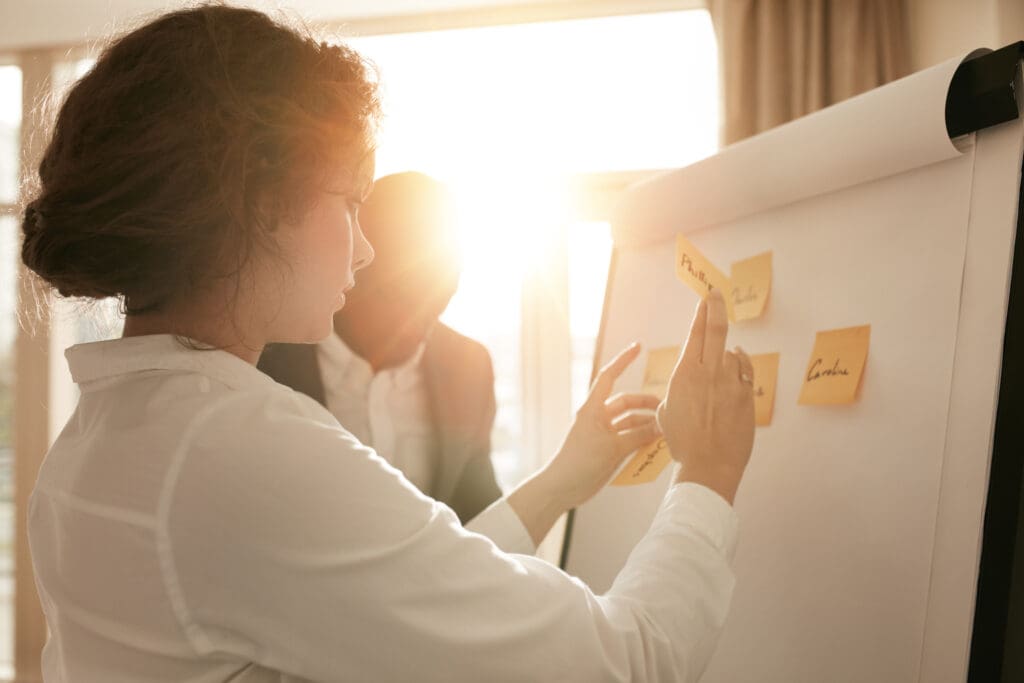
(50, 255)
(33, 221)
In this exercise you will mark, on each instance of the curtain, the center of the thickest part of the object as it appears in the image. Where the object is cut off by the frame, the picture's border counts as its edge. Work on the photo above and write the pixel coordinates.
(782, 59)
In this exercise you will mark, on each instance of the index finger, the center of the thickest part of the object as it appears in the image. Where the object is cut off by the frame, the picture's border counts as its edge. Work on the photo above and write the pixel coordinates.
(694, 349)
(716, 330)
(609, 373)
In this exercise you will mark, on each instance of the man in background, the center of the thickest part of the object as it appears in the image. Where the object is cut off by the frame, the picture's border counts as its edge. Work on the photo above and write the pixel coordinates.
(419, 393)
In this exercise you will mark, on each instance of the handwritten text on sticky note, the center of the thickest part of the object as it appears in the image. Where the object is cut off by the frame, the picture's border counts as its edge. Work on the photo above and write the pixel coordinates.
(646, 465)
(700, 274)
(835, 367)
(751, 283)
(766, 372)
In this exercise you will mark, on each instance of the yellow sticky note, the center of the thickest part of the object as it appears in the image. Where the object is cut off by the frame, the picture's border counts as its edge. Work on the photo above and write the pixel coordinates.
(646, 465)
(701, 274)
(766, 371)
(751, 283)
(836, 365)
(660, 364)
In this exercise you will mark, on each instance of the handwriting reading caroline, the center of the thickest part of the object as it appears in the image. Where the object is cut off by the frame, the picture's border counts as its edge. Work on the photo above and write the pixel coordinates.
(815, 372)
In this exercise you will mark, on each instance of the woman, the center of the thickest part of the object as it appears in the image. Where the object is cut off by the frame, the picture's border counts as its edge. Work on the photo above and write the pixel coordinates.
(196, 521)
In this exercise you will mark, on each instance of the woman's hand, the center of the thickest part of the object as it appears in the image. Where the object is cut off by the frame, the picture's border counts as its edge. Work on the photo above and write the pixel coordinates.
(708, 414)
(604, 432)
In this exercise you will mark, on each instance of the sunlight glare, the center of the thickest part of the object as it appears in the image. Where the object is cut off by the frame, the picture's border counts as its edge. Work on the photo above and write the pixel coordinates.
(506, 115)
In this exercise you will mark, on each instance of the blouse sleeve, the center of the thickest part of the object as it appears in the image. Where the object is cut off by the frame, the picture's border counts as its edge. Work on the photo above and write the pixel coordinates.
(500, 523)
(287, 543)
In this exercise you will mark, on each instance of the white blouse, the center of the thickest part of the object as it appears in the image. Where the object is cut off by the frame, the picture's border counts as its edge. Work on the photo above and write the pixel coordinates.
(197, 522)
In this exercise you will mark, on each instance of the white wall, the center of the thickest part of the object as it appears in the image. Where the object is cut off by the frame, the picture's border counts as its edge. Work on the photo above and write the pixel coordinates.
(942, 29)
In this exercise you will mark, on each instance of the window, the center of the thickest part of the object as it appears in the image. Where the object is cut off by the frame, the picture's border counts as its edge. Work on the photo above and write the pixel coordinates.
(590, 251)
(508, 116)
(10, 145)
(10, 123)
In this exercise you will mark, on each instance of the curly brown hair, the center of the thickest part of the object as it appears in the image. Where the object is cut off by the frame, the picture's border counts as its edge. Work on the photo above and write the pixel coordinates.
(185, 146)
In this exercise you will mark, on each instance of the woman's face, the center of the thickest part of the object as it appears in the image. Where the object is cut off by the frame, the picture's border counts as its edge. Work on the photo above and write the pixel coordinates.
(323, 251)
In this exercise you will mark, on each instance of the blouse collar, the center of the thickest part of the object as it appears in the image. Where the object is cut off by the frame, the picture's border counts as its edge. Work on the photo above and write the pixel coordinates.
(96, 361)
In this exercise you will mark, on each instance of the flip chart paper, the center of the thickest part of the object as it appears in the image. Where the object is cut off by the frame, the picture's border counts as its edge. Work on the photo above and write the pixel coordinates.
(835, 366)
(700, 274)
(766, 371)
(751, 283)
(906, 487)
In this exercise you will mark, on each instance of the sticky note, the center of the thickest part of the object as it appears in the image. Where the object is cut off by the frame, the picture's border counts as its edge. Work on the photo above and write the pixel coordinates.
(660, 364)
(835, 367)
(700, 274)
(646, 465)
(648, 462)
(751, 283)
(766, 372)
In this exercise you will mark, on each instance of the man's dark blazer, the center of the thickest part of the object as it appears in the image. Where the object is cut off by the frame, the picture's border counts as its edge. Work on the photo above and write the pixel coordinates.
(460, 391)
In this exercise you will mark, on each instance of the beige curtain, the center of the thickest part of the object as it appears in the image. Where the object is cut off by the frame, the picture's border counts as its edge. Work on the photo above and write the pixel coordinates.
(782, 59)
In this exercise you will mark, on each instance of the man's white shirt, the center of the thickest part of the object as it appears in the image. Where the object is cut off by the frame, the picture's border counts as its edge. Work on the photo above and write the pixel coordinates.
(387, 410)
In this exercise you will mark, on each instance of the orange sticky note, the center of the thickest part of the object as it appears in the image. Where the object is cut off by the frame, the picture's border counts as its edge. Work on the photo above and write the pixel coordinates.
(766, 371)
(751, 283)
(701, 274)
(836, 365)
(646, 465)
(660, 364)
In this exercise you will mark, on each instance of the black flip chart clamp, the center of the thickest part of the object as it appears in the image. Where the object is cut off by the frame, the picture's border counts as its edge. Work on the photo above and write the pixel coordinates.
(981, 93)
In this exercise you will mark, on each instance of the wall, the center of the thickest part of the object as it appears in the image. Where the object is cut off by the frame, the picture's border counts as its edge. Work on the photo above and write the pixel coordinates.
(942, 29)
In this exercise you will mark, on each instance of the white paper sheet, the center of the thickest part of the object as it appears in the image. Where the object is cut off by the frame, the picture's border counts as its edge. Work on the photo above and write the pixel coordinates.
(881, 133)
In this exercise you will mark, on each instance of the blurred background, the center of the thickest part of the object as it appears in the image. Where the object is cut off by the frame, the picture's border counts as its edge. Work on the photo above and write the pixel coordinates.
(538, 114)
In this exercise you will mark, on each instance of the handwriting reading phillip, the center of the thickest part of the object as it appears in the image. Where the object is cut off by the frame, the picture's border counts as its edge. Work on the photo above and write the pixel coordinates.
(687, 263)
